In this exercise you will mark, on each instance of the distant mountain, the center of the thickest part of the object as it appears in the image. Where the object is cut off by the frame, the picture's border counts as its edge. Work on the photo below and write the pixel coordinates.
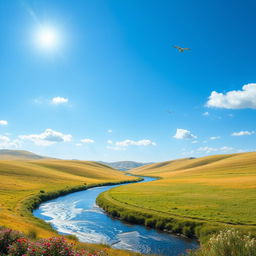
(124, 165)
(7, 154)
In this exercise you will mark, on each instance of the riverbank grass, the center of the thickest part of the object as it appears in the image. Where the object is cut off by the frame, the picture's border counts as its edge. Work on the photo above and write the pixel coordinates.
(194, 197)
(24, 184)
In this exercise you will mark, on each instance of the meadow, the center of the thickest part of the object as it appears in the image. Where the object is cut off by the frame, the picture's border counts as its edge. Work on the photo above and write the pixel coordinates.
(195, 197)
(24, 184)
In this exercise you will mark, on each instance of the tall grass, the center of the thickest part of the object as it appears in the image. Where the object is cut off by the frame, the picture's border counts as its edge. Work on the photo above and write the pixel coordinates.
(228, 243)
(191, 229)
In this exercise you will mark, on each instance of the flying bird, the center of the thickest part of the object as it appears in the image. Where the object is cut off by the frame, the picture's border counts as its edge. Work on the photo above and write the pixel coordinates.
(181, 49)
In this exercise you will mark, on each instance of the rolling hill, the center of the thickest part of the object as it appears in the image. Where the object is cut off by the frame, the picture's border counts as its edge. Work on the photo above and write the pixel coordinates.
(7, 154)
(124, 165)
(210, 192)
(24, 184)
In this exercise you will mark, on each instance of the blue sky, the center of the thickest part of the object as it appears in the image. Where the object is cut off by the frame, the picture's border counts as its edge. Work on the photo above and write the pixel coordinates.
(112, 87)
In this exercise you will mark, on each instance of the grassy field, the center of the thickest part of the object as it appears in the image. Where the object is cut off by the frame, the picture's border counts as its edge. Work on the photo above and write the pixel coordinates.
(193, 196)
(24, 184)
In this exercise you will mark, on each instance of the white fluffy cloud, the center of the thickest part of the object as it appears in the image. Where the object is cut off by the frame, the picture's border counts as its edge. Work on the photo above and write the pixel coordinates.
(87, 140)
(59, 100)
(206, 113)
(210, 149)
(122, 145)
(109, 131)
(126, 143)
(215, 138)
(242, 133)
(3, 122)
(184, 134)
(245, 98)
(6, 142)
(46, 138)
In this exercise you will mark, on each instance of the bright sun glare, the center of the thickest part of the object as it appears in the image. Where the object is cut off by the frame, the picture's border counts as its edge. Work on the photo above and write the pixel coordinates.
(47, 38)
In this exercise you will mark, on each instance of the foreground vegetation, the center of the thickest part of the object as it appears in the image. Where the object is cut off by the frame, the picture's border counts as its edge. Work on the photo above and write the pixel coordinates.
(14, 243)
(194, 197)
(25, 184)
(227, 243)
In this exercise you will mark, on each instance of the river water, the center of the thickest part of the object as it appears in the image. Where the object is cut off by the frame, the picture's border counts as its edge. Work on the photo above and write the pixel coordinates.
(78, 214)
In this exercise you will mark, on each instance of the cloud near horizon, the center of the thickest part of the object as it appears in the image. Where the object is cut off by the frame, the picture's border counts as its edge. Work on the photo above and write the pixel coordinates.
(212, 150)
(122, 145)
(182, 134)
(6, 142)
(242, 133)
(3, 122)
(59, 100)
(215, 138)
(144, 142)
(245, 98)
(87, 140)
(47, 138)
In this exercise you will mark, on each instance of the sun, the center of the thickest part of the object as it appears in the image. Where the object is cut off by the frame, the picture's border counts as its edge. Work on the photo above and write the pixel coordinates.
(47, 38)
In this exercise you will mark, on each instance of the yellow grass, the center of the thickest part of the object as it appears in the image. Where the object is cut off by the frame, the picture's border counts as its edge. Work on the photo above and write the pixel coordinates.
(22, 181)
(218, 190)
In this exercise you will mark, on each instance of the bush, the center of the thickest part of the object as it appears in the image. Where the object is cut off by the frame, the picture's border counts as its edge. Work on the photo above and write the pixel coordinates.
(205, 232)
(150, 223)
(227, 243)
(56, 246)
(71, 237)
(7, 238)
(188, 231)
(160, 224)
(169, 226)
(19, 248)
(177, 228)
(114, 213)
(32, 233)
(13, 243)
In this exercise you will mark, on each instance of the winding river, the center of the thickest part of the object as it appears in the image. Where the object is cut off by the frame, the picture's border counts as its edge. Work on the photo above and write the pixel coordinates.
(78, 214)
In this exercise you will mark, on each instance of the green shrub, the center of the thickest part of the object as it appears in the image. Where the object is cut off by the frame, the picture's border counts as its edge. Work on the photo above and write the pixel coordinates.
(114, 213)
(19, 248)
(188, 231)
(169, 226)
(228, 243)
(71, 237)
(32, 234)
(206, 231)
(7, 238)
(160, 224)
(177, 228)
(150, 223)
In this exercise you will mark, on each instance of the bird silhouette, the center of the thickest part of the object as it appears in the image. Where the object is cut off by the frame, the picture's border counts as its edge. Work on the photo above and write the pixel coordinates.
(181, 49)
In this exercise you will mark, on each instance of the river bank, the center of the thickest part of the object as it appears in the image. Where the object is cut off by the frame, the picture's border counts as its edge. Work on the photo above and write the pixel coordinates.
(78, 214)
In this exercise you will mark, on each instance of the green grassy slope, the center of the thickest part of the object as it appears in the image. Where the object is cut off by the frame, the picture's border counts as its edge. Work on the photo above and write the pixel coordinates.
(24, 184)
(215, 191)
